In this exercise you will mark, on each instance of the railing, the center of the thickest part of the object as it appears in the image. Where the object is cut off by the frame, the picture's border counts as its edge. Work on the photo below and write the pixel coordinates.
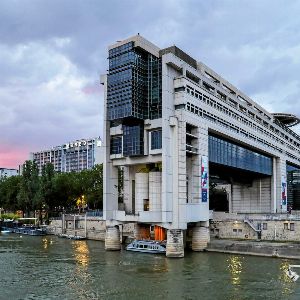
(249, 222)
(94, 213)
(90, 213)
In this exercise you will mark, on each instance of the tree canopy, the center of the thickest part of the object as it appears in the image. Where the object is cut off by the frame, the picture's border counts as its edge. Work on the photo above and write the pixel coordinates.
(51, 191)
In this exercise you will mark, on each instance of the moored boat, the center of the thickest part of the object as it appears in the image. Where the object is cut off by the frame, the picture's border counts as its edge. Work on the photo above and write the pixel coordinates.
(147, 246)
(32, 230)
(71, 236)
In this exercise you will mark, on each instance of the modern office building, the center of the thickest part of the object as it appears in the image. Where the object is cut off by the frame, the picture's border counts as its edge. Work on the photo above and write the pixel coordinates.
(71, 157)
(4, 172)
(188, 142)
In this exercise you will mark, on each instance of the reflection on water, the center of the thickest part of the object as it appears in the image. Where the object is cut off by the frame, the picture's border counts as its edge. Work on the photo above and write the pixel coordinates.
(235, 267)
(81, 275)
(81, 252)
(53, 268)
(160, 266)
(286, 283)
(46, 241)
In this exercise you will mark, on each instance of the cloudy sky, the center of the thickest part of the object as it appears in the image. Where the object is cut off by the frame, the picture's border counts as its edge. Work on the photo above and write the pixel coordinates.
(52, 53)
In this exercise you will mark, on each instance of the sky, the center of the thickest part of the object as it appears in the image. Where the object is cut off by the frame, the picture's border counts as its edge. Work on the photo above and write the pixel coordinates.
(52, 53)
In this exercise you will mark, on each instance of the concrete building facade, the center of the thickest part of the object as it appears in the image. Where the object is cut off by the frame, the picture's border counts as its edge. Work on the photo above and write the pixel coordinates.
(188, 143)
(71, 157)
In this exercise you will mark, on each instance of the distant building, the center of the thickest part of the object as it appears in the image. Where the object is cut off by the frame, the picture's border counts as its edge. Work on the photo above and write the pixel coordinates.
(70, 157)
(4, 172)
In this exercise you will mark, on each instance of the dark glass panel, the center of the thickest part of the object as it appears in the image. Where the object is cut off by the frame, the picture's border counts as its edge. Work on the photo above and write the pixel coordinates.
(156, 139)
(229, 154)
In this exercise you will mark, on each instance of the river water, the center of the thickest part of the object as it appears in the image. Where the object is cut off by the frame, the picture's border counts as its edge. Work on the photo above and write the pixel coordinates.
(53, 268)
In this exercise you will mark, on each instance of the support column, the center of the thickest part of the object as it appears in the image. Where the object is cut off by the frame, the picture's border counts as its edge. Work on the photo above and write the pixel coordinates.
(63, 224)
(85, 225)
(141, 190)
(279, 184)
(200, 237)
(112, 238)
(273, 188)
(175, 243)
(127, 193)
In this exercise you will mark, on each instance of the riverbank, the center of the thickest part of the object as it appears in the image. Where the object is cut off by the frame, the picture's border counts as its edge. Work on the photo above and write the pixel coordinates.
(287, 250)
(95, 229)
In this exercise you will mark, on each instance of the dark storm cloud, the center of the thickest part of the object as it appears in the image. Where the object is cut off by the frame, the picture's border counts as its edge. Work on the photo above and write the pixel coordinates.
(53, 51)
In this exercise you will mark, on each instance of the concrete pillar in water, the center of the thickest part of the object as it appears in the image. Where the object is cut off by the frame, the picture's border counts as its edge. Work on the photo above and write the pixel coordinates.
(200, 237)
(175, 243)
(112, 238)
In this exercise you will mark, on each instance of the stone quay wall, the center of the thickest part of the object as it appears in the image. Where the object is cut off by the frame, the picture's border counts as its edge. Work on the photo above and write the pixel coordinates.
(268, 227)
(96, 228)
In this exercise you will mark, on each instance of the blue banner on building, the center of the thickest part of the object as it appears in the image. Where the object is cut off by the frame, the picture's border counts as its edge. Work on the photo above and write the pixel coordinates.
(204, 179)
(283, 194)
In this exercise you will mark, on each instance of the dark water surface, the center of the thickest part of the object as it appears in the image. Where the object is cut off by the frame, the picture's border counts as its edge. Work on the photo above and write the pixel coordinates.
(53, 268)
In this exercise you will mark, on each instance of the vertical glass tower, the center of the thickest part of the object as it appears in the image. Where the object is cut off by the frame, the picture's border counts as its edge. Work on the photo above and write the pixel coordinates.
(133, 94)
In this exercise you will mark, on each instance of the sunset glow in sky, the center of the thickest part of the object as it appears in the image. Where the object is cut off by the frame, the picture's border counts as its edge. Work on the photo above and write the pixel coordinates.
(52, 53)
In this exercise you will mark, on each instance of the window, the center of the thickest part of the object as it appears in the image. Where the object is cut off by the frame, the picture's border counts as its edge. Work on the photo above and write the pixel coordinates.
(156, 139)
(240, 230)
(265, 226)
(285, 226)
(116, 145)
(292, 226)
(133, 140)
(234, 230)
(179, 89)
(180, 106)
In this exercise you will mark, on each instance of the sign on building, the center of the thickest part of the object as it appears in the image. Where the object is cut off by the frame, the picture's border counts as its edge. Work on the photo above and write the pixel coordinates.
(204, 178)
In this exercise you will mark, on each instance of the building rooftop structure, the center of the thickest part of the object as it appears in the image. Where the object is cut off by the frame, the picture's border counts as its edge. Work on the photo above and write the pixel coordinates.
(288, 120)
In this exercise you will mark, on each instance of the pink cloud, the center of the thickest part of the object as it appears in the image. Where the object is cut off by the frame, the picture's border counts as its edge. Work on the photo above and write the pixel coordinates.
(90, 89)
(12, 156)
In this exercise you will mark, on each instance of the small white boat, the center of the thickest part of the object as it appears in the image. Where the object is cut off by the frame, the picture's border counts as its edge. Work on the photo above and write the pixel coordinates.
(5, 231)
(292, 274)
(76, 237)
(71, 236)
(147, 246)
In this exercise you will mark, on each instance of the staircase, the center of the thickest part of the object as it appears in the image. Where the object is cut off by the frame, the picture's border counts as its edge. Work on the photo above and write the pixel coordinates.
(250, 223)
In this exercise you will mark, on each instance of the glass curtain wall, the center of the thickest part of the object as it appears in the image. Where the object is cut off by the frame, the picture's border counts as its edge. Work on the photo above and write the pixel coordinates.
(226, 153)
(133, 94)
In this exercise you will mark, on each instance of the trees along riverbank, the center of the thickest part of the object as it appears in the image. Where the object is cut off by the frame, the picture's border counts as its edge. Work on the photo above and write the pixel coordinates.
(51, 192)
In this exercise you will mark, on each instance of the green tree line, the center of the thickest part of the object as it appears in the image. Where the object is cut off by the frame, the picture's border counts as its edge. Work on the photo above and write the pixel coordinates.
(51, 191)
